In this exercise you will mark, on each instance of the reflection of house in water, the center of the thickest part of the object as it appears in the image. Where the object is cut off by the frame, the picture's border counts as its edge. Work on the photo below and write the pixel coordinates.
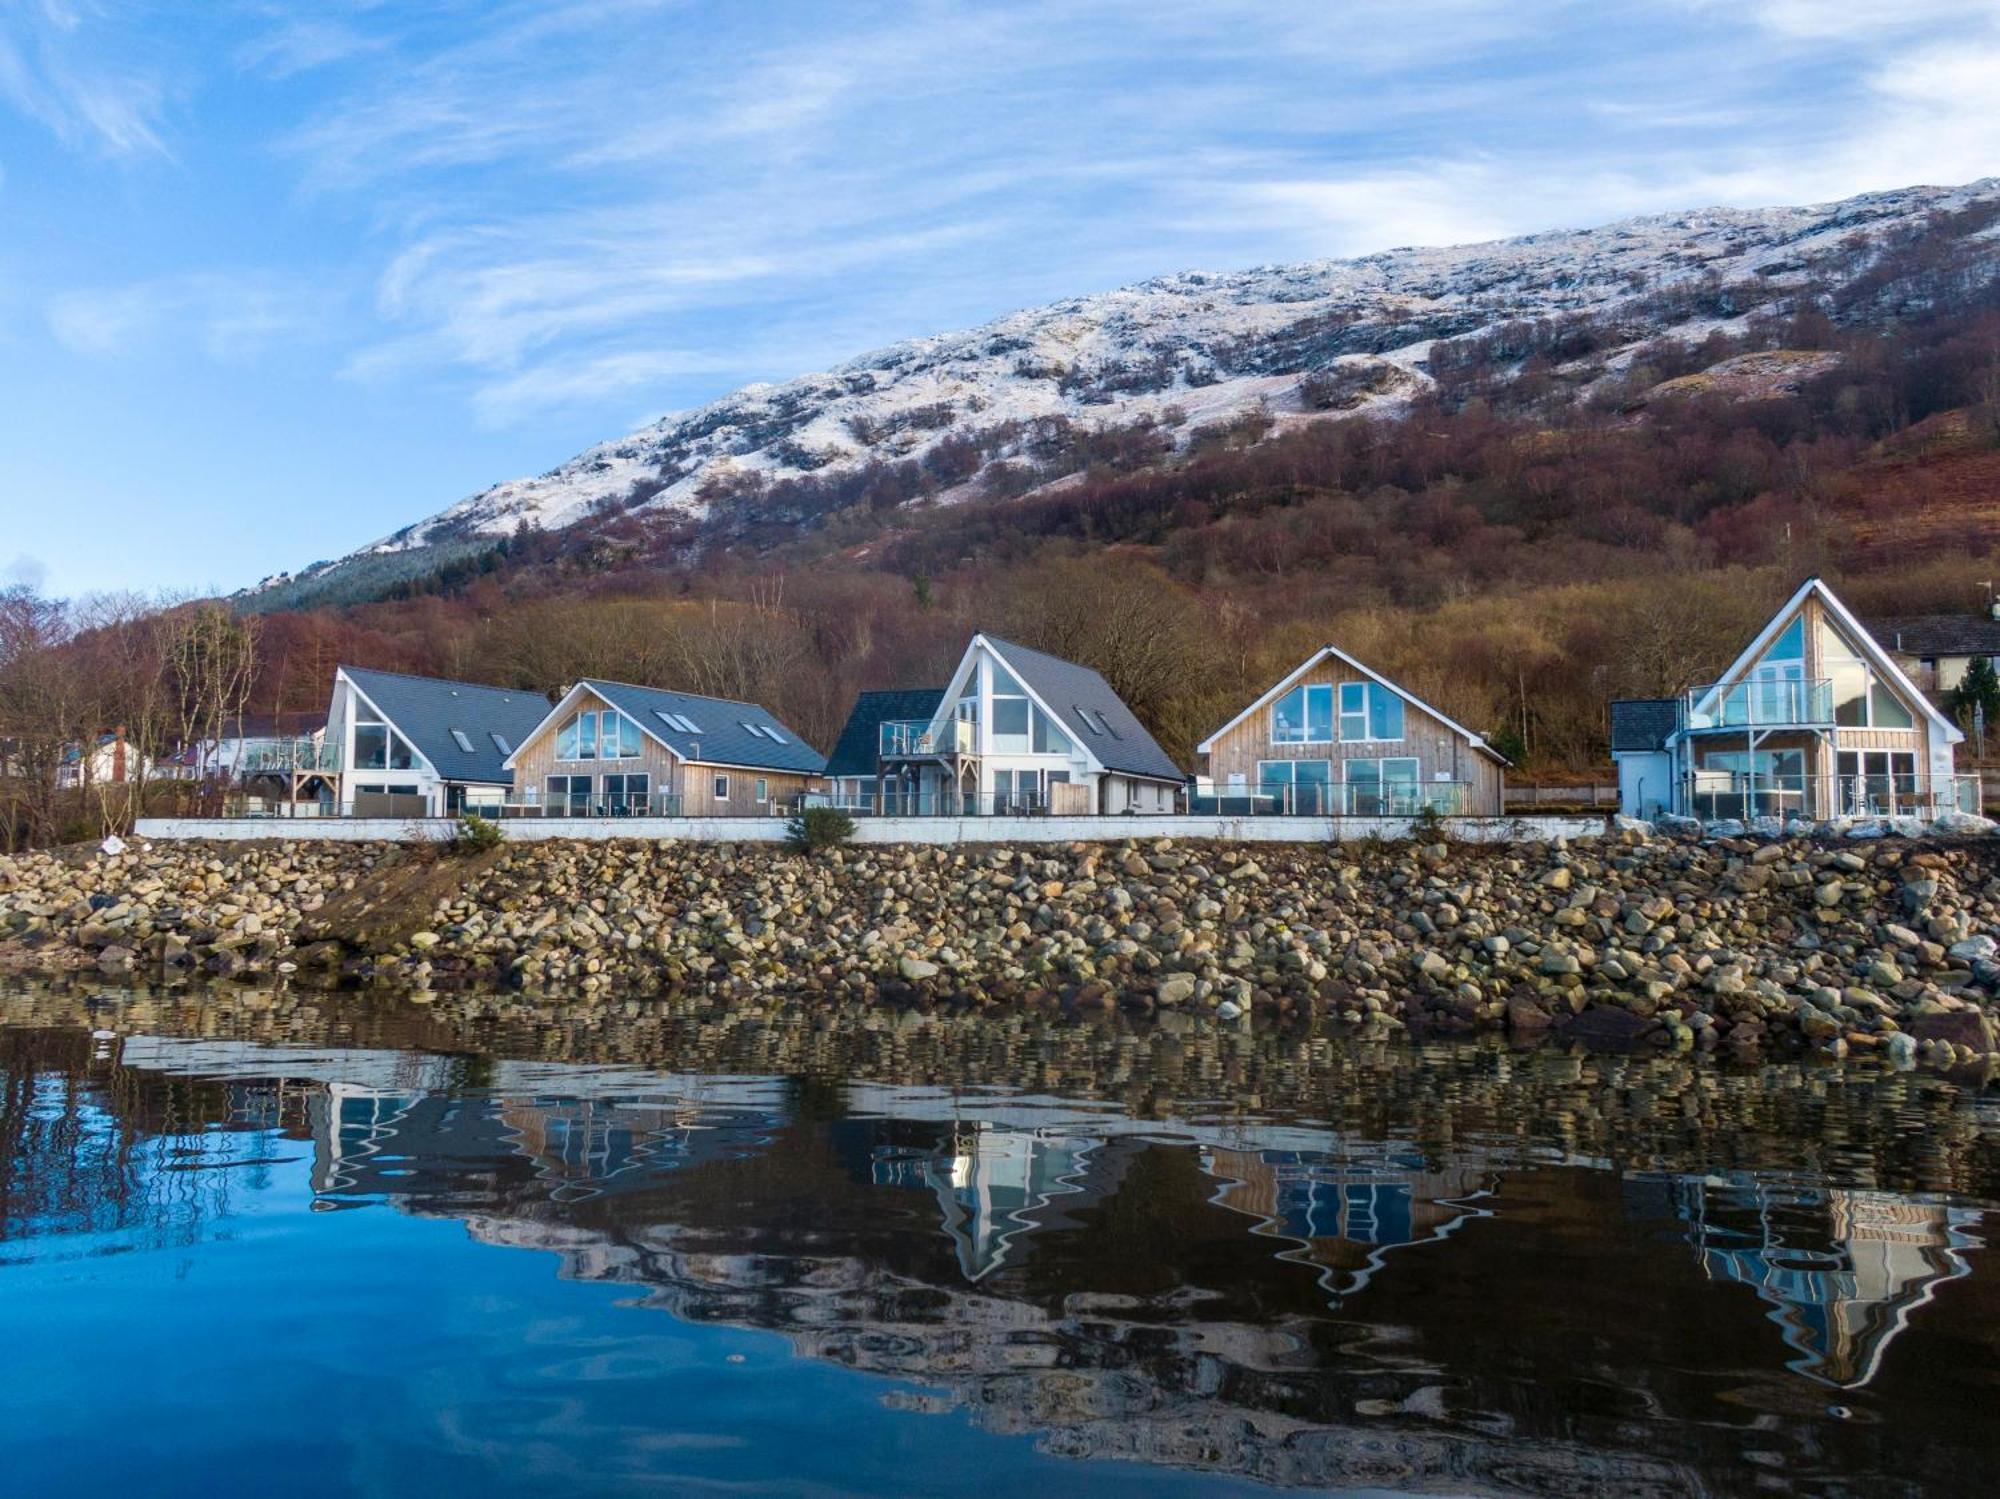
(1842, 1270)
(1347, 1213)
(990, 1183)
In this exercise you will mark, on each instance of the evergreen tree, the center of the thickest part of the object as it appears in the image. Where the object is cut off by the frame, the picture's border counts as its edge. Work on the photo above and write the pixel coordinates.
(1979, 687)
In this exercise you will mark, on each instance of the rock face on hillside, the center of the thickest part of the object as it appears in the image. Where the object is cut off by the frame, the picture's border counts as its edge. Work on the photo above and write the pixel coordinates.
(1285, 342)
(1888, 948)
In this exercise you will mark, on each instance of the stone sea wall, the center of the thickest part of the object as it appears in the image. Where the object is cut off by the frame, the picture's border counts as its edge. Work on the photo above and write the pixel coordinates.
(1884, 946)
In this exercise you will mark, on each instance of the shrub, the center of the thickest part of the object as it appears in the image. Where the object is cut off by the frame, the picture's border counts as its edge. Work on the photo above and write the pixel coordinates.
(476, 834)
(817, 828)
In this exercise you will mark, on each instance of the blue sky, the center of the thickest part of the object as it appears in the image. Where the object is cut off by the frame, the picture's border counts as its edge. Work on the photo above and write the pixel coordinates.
(278, 276)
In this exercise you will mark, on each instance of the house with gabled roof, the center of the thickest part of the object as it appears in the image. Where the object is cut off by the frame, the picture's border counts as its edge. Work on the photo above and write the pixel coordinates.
(1335, 738)
(1020, 731)
(620, 750)
(406, 746)
(1814, 719)
(854, 767)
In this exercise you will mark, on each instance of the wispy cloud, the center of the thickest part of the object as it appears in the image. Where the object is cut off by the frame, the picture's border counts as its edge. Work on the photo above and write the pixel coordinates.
(227, 317)
(52, 71)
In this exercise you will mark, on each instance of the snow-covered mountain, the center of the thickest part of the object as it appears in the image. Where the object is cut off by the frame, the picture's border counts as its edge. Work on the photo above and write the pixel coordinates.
(1192, 349)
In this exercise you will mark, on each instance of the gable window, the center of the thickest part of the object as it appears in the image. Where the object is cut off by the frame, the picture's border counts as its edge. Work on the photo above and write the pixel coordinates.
(1049, 739)
(1369, 712)
(1012, 719)
(595, 735)
(377, 746)
(1862, 698)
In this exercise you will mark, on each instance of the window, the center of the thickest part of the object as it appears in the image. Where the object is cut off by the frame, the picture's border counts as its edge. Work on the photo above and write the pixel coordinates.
(462, 739)
(1861, 699)
(763, 791)
(500, 742)
(569, 796)
(1049, 739)
(1012, 717)
(1303, 716)
(1875, 781)
(1383, 788)
(1300, 788)
(379, 747)
(1369, 712)
(627, 795)
(594, 735)
(720, 788)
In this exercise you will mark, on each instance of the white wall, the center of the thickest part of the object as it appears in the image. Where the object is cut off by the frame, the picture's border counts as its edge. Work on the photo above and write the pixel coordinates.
(1645, 783)
(874, 829)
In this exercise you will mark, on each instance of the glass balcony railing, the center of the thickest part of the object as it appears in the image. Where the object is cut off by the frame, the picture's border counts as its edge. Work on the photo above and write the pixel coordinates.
(906, 739)
(290, 755)
(1761, 704)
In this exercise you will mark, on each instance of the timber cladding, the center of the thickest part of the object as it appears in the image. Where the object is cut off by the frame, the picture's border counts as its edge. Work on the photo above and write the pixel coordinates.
(1440, 750)
(696, 783)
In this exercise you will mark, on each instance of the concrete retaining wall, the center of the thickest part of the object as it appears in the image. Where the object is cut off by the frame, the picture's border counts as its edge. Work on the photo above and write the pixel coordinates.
(870, 829)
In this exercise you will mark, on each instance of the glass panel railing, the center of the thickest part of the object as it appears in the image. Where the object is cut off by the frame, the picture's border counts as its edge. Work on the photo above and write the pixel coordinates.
(1761, 704)
(899, 739)
(1718, 795)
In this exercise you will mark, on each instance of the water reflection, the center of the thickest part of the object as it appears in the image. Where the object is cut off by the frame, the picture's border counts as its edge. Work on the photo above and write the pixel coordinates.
(1842, 1270)
(1258, 1257)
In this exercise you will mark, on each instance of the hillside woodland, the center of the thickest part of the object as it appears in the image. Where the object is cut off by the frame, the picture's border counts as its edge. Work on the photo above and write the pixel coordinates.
(1560, 517)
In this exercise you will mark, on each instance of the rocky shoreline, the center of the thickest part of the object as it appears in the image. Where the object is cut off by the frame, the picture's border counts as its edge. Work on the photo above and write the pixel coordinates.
(1883, 947)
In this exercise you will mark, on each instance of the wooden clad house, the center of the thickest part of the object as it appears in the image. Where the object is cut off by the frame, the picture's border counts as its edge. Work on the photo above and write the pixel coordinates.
(1334, 738)
(1020, 731)
(615, 749)
(1814, 719)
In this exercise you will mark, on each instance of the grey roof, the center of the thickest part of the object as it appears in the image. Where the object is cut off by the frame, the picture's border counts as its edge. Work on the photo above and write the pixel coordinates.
(1073, 692)
(426, 709)
(721, 737)
(855, 753)
(1936, 634)
(1643, 723)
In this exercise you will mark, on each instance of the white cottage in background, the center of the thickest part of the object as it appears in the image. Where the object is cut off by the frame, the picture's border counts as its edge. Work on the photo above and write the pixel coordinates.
(1814, 719)
(1022, 731)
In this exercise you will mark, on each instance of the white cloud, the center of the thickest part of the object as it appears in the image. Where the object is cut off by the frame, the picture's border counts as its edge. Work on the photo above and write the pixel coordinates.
(229, 317)
(53, 71)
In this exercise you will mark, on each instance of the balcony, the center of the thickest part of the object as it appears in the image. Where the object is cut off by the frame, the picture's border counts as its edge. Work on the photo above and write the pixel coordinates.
(920, 739)
(1800, 703)
(288, 757)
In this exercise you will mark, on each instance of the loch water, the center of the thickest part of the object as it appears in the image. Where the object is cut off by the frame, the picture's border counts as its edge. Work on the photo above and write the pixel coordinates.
(309, 1244)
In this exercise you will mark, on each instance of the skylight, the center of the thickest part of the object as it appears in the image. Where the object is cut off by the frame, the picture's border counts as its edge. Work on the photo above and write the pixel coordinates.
(500, 743)
(462, 739)
(750, 726)
(1084, 714)
(773, 734)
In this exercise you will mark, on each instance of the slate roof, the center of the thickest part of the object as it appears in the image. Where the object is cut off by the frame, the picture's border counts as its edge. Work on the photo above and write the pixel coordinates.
(1643, 723)
(1936, 634)
(723, 738)
(426, 709)
(854, 754)
(1073, 692)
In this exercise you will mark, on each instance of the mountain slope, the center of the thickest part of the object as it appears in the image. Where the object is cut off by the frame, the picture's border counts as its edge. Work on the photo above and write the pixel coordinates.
(1175, 354)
